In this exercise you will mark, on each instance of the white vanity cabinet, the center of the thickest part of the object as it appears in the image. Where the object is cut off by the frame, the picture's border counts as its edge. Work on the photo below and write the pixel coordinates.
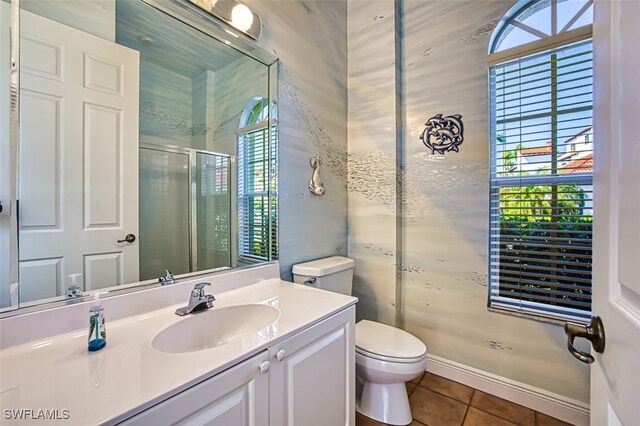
(305, 380)
(312, 379)
(237, 396)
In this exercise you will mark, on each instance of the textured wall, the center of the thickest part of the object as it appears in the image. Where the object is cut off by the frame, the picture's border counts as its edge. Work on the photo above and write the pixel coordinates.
(165, 106)
(236, 85)
(372, 157)
(310, 39)
(441, 253)
(202, 107)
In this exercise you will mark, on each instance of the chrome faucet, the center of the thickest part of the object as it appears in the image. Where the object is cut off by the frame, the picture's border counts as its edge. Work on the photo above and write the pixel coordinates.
(167, 278)
(198, 301)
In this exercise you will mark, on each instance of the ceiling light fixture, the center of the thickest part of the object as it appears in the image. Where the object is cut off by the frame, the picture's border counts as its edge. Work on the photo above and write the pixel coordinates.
(241, 17)
(232, 13)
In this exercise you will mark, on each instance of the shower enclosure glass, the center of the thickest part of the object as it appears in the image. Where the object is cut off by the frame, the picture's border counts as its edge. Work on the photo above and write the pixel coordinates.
(213, 208)
(185, 200)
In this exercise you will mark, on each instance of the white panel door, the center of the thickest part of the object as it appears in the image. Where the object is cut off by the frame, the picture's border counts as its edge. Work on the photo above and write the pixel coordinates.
(615, 375)
(78, 178)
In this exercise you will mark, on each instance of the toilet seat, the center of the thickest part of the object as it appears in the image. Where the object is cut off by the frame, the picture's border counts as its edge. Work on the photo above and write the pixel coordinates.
(390, 358)
(388, 343)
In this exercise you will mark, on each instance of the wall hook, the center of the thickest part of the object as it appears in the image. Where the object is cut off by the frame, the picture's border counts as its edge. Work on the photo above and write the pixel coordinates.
(316, 187)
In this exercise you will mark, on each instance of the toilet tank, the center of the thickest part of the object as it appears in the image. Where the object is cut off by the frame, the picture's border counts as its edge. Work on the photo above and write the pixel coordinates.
(331, 273)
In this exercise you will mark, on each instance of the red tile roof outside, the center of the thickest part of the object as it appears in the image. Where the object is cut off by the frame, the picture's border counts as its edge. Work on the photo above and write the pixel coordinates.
(581, 165)
(536, 150)
(542, 150)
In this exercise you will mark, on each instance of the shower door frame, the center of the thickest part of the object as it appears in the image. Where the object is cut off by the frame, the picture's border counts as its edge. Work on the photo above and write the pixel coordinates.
(192, 153)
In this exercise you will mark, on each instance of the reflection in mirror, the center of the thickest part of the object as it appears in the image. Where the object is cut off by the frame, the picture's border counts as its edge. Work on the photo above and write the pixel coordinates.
(177, 186)
(8, 289)
(136, 154)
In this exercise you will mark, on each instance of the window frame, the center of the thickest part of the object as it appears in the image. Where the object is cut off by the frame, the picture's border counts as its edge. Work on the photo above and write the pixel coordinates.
(544, 45)
(253, 123)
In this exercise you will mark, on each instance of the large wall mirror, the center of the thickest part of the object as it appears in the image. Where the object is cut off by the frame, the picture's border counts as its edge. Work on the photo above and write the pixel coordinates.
(147, 142)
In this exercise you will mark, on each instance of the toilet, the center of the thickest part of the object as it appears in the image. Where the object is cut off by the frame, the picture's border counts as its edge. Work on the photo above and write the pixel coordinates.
(386, 357)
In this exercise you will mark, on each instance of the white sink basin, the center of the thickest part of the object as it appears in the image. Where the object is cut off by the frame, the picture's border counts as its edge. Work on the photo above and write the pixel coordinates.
(215, 327)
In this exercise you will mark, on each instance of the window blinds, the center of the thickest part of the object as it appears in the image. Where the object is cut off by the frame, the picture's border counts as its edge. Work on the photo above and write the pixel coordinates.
(256, 180)
(541, 183)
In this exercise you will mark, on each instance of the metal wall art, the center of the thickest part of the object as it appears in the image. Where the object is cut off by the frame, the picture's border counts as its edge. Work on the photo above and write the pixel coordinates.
(443, 134)
(316, 187)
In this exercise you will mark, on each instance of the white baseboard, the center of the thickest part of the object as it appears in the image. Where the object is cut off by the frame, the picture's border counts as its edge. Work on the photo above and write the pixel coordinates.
(554, 405)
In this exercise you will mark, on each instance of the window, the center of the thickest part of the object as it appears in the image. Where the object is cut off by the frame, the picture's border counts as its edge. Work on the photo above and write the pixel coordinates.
(257, 183)
(541, 84)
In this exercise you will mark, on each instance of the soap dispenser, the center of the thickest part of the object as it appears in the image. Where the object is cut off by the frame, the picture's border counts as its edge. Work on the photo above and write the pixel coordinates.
(74, 291)
(97, 329)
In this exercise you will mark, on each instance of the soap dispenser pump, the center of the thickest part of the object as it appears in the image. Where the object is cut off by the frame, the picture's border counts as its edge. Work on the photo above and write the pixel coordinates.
(97, 329)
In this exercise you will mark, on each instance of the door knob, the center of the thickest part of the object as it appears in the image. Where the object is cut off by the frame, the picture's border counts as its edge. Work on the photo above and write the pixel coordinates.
(280, 355)
(594, 332)
(128, 239)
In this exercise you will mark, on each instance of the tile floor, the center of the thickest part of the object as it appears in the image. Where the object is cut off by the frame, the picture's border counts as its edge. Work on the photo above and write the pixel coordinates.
(436, 401)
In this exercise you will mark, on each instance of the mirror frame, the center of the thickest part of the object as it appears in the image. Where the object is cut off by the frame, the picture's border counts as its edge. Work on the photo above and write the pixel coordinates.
(188, 14)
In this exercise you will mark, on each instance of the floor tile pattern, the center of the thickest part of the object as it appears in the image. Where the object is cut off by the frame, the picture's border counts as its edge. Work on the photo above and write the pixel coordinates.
(436, 401)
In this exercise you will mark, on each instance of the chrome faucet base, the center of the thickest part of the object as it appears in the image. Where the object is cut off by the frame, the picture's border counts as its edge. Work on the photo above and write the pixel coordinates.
(167, 278)
(182, 311)
(200, 307)
(198, 301)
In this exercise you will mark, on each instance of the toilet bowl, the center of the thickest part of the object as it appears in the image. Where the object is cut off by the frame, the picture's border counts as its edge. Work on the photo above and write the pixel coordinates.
(386, 357)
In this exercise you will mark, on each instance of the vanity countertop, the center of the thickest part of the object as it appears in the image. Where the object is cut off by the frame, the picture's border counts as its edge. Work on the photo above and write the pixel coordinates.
(129, 375)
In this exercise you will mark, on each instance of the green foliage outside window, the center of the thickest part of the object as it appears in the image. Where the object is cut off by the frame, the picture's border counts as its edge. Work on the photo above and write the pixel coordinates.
(545, 234)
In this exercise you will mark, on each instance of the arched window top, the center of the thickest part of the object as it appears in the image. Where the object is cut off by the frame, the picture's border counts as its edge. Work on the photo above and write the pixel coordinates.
(530, 21)
(255, 112)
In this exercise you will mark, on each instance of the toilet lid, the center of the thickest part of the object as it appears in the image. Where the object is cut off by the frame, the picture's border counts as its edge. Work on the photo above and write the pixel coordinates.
(387, 341)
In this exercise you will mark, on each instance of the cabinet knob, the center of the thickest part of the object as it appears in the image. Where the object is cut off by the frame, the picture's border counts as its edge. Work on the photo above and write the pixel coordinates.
(264, 367)
(280, 355)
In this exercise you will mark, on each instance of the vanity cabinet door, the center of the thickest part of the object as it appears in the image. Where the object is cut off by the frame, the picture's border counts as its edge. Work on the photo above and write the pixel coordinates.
(313, 375)
(238, 396)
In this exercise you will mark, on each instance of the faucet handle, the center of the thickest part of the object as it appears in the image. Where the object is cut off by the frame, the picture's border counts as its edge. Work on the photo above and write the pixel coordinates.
(198, 290)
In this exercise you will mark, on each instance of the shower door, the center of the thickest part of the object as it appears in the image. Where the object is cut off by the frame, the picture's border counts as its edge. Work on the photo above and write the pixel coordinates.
(212, 212)
(185, 211)
(164, 212)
